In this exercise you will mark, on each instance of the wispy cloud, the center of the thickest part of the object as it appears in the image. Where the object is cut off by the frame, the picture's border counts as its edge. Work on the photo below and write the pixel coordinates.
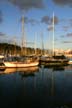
(67, 42)
(69, 35)
(2, 37)
(70, 22)
(2, 34)
(65, 28)
(63, 2)
(50, 28)
(33, 21)
(28, 4)
(29, 20)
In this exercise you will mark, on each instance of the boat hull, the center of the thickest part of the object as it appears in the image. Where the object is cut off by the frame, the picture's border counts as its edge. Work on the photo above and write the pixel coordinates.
(20, 64)
(53, 62)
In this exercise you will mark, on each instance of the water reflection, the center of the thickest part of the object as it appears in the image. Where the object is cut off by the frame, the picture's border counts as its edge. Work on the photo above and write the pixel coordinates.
(61, 68)
(37, 85)
(56, 68)
(7, 71)
(26, 71)
(69, 67)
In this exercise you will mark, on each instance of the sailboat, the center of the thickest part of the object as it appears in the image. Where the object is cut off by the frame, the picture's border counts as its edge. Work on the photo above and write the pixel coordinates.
(19, 61)
(53, 60)
(60, 57)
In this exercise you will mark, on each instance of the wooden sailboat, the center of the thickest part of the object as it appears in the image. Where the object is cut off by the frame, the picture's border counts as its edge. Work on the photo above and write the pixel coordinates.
(20, 61)
(20, 64)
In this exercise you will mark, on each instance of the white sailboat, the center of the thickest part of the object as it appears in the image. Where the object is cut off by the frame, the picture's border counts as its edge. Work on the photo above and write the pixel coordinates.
(20, 64)
(20, 61)
(17, 62)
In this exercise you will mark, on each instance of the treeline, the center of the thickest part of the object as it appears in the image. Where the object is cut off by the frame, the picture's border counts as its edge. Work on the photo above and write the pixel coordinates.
(6, 48)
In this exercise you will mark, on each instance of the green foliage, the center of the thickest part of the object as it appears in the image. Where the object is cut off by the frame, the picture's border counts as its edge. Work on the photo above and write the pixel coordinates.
(6, 48)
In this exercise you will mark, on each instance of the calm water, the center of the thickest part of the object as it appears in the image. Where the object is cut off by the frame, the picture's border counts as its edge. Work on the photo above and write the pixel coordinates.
(39, 86)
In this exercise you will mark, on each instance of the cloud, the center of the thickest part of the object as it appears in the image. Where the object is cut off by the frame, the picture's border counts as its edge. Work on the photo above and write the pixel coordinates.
(56, 20)
(2, 37)
(28, 4)
(48, 20)
(50, 28)
(70, 22)
(63, 2)
(65, 28)
(67, 41)
(2, 34)
(1, 16)
(69, 35)
(45, 19)
(31, 21)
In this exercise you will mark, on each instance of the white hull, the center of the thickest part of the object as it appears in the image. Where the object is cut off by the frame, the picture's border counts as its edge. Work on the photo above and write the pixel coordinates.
(20, 64)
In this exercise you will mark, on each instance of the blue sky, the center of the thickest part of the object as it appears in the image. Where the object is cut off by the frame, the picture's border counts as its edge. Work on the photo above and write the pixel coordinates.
(38, 21)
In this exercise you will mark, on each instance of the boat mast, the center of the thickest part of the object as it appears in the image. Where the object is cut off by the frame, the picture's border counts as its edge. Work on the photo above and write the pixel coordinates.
(35, 44)
(42, 50)
(15, 52)
(23, 51)
(53, 33)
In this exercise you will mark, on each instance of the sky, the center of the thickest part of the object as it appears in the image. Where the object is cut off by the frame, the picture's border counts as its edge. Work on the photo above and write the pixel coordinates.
(38, 22)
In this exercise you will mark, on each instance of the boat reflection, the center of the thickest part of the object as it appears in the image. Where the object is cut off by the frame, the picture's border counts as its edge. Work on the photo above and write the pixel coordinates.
(28, 72)
(59, 68)
(7, 70)
(20, 70)
(56, 68)
(69, 67)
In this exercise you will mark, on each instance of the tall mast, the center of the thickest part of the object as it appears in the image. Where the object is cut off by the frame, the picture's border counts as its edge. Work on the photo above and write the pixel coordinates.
(15, 52)
(23, 36)
(42, 51)
(53, 33)
(35, 43)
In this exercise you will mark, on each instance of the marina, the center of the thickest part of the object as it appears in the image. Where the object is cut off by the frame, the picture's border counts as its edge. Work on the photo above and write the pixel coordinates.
(36, 53)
